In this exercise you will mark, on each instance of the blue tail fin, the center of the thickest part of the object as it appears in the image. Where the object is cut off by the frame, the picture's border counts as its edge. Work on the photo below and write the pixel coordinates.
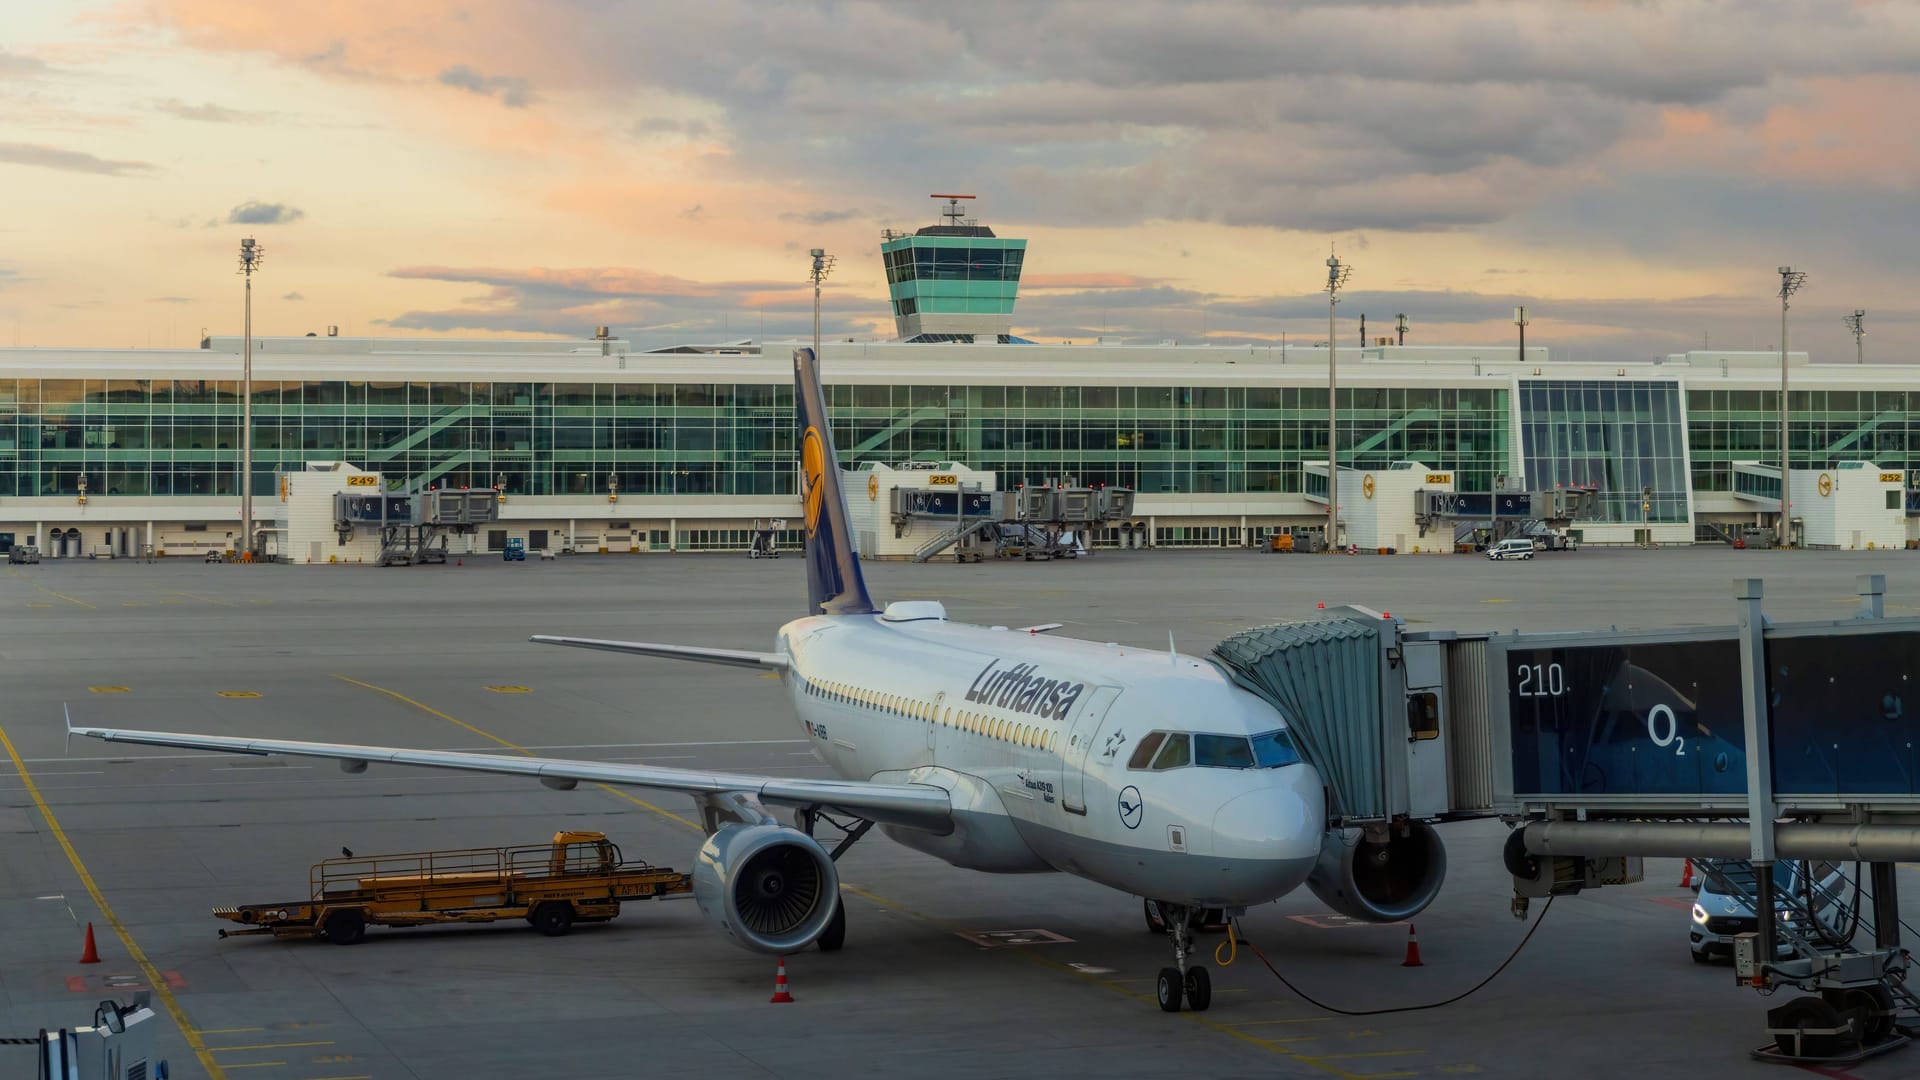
(834, 584)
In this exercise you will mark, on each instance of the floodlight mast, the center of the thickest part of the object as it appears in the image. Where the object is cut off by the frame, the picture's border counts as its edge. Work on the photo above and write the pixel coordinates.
(822, 266)
(1791, 281)
(1856, 323)
(1337, 274)
(251, 254)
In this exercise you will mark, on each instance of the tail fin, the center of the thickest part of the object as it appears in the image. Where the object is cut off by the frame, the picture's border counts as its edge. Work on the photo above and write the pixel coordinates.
(834, 584)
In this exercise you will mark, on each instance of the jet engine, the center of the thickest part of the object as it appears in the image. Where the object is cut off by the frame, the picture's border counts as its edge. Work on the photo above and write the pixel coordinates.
(1366, 879)
(769, 888)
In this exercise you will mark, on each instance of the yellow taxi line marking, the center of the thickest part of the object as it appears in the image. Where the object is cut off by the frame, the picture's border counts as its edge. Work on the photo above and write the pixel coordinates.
(147, 968)
(257, 1065)
(1370, 1054)
(203, 599)
(106, 690)
(1272, 1045)
(1497, 600)
(62, 596)
(268, 1046)
(515, 747)
(228, 1031)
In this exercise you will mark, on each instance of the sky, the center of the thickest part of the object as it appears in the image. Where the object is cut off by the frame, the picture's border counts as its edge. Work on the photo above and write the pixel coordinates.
(1633, 173)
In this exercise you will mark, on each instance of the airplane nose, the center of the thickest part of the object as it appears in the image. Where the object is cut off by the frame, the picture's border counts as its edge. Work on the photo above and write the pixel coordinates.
(1281, 822)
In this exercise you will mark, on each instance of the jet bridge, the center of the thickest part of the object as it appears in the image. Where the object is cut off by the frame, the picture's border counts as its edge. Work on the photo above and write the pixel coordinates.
(413, 528)
(1752, 742)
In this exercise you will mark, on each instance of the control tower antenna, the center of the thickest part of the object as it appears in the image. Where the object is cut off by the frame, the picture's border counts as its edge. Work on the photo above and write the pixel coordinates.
(952, 210)
(1856, 323)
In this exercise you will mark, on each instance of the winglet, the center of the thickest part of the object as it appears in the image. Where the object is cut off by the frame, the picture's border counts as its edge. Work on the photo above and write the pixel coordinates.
(66, 713)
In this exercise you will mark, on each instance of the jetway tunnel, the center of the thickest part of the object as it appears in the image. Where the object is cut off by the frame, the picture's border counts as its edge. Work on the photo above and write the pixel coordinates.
(1751, 741)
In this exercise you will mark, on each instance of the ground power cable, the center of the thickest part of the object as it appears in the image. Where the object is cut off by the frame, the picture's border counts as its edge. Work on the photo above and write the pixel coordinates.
(1231, 945)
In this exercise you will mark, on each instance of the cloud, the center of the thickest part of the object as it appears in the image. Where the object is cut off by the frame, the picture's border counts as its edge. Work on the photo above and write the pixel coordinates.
(15, 66)
(254, 212)
(821, 217)
(514, 92)
(171, 300)
(662, 125)
(293, 296)
(49, 157)
(209, 113)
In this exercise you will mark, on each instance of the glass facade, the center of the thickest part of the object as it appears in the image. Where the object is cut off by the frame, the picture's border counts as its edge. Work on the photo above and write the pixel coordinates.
(1619, 436)
(182, 436)
(1828, 427)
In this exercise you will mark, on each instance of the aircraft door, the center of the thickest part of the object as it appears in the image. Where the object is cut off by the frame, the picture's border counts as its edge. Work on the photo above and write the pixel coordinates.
(1080, 740)
(933, 723)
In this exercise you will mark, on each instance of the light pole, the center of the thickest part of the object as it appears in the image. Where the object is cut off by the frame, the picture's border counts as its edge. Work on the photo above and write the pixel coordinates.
(1337, 274)
(822, 266)
(1520, 320)
(1790, 282)
(1400, 324)
(250, 255)
(1856, 322)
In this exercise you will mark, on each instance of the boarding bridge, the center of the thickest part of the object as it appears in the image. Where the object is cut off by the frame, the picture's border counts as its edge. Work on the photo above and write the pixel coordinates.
(1751, 742)
(1502, 514)
(414, 528)
(1041, 522)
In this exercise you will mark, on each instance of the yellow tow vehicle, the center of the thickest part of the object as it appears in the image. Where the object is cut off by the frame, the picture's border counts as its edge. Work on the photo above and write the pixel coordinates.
(578, 877)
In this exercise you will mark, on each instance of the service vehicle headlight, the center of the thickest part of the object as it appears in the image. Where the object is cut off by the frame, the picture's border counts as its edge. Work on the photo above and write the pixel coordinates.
(1699, 914)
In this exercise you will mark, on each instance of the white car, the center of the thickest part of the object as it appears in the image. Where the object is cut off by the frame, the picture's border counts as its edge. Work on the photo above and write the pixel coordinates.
(1719, 916)
(1511, 549)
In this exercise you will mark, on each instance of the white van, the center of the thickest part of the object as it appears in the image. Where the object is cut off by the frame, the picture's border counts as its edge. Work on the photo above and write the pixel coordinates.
(1519, 548)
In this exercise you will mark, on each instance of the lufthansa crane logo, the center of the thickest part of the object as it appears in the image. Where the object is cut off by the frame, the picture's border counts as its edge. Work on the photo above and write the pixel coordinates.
(873, 488)
(1131, 806)
(1366, 485)
(813, 473)
(1826, 484)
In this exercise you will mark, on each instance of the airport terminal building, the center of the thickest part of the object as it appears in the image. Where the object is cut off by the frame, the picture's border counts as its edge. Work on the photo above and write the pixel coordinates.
(600, 447)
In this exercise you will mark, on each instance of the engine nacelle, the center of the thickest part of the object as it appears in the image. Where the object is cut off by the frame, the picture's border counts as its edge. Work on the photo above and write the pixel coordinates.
(769, 888)
(1380, 882)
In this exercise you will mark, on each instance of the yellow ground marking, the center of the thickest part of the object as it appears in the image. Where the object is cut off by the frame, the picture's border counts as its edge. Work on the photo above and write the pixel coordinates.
(511, 689)
(152, 973)
(768, 675)
(41, 604)
(256, 1065)
(228, 1031)
(238, 693)
(1300, 1020)
(133, 603)
(203, 599)
(59, 595)
(1496, 600)
(107, 690)
(1271, 1045)
(515, 747)
(268, 1046)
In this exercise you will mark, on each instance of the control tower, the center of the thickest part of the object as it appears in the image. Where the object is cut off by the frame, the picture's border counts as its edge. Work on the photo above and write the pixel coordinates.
(954, 281)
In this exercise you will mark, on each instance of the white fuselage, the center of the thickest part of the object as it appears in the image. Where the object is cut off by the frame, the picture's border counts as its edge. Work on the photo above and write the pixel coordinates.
(1033, 735)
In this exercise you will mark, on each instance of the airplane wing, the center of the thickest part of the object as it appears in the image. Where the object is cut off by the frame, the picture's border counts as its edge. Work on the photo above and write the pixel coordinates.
(914, 806)
(729, 657)
(1039, 628)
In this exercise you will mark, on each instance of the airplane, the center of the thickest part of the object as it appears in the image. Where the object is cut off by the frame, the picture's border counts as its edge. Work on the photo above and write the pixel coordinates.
(1005, 751)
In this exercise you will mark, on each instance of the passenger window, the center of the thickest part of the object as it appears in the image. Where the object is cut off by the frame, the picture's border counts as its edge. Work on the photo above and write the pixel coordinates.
(1176, 754)
(1143, 753)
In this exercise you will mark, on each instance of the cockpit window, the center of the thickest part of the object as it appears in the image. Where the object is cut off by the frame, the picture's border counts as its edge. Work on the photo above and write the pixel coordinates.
(1176, 754)
(1274, 749)
(1143, 753)
(1222, 752)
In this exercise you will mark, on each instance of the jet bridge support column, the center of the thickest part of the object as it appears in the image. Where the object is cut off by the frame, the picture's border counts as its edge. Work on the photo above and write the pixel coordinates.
(1760, 810)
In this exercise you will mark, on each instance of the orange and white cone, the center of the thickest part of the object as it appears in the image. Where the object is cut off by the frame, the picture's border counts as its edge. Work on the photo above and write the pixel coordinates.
(90, 954)
(780, 995)
(1413, 949)
(1686, 876)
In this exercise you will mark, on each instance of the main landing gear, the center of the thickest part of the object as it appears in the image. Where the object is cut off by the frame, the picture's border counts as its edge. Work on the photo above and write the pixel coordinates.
(1183, 981)
(835, 935)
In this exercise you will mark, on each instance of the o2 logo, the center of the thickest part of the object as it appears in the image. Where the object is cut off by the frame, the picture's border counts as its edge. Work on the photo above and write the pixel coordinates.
(1664, 729)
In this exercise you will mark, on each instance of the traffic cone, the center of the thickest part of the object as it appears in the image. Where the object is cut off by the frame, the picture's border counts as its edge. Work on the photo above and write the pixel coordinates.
(90, 954)
(780, 995)
(1413, 949)
(1686, 875)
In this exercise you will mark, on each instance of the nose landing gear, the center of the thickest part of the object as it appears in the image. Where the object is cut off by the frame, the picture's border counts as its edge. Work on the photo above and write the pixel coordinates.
(1183, 981)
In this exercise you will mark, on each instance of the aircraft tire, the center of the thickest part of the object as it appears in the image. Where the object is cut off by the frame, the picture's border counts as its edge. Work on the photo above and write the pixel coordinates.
(1199, 988)
(835, 935)
(1170, 989)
